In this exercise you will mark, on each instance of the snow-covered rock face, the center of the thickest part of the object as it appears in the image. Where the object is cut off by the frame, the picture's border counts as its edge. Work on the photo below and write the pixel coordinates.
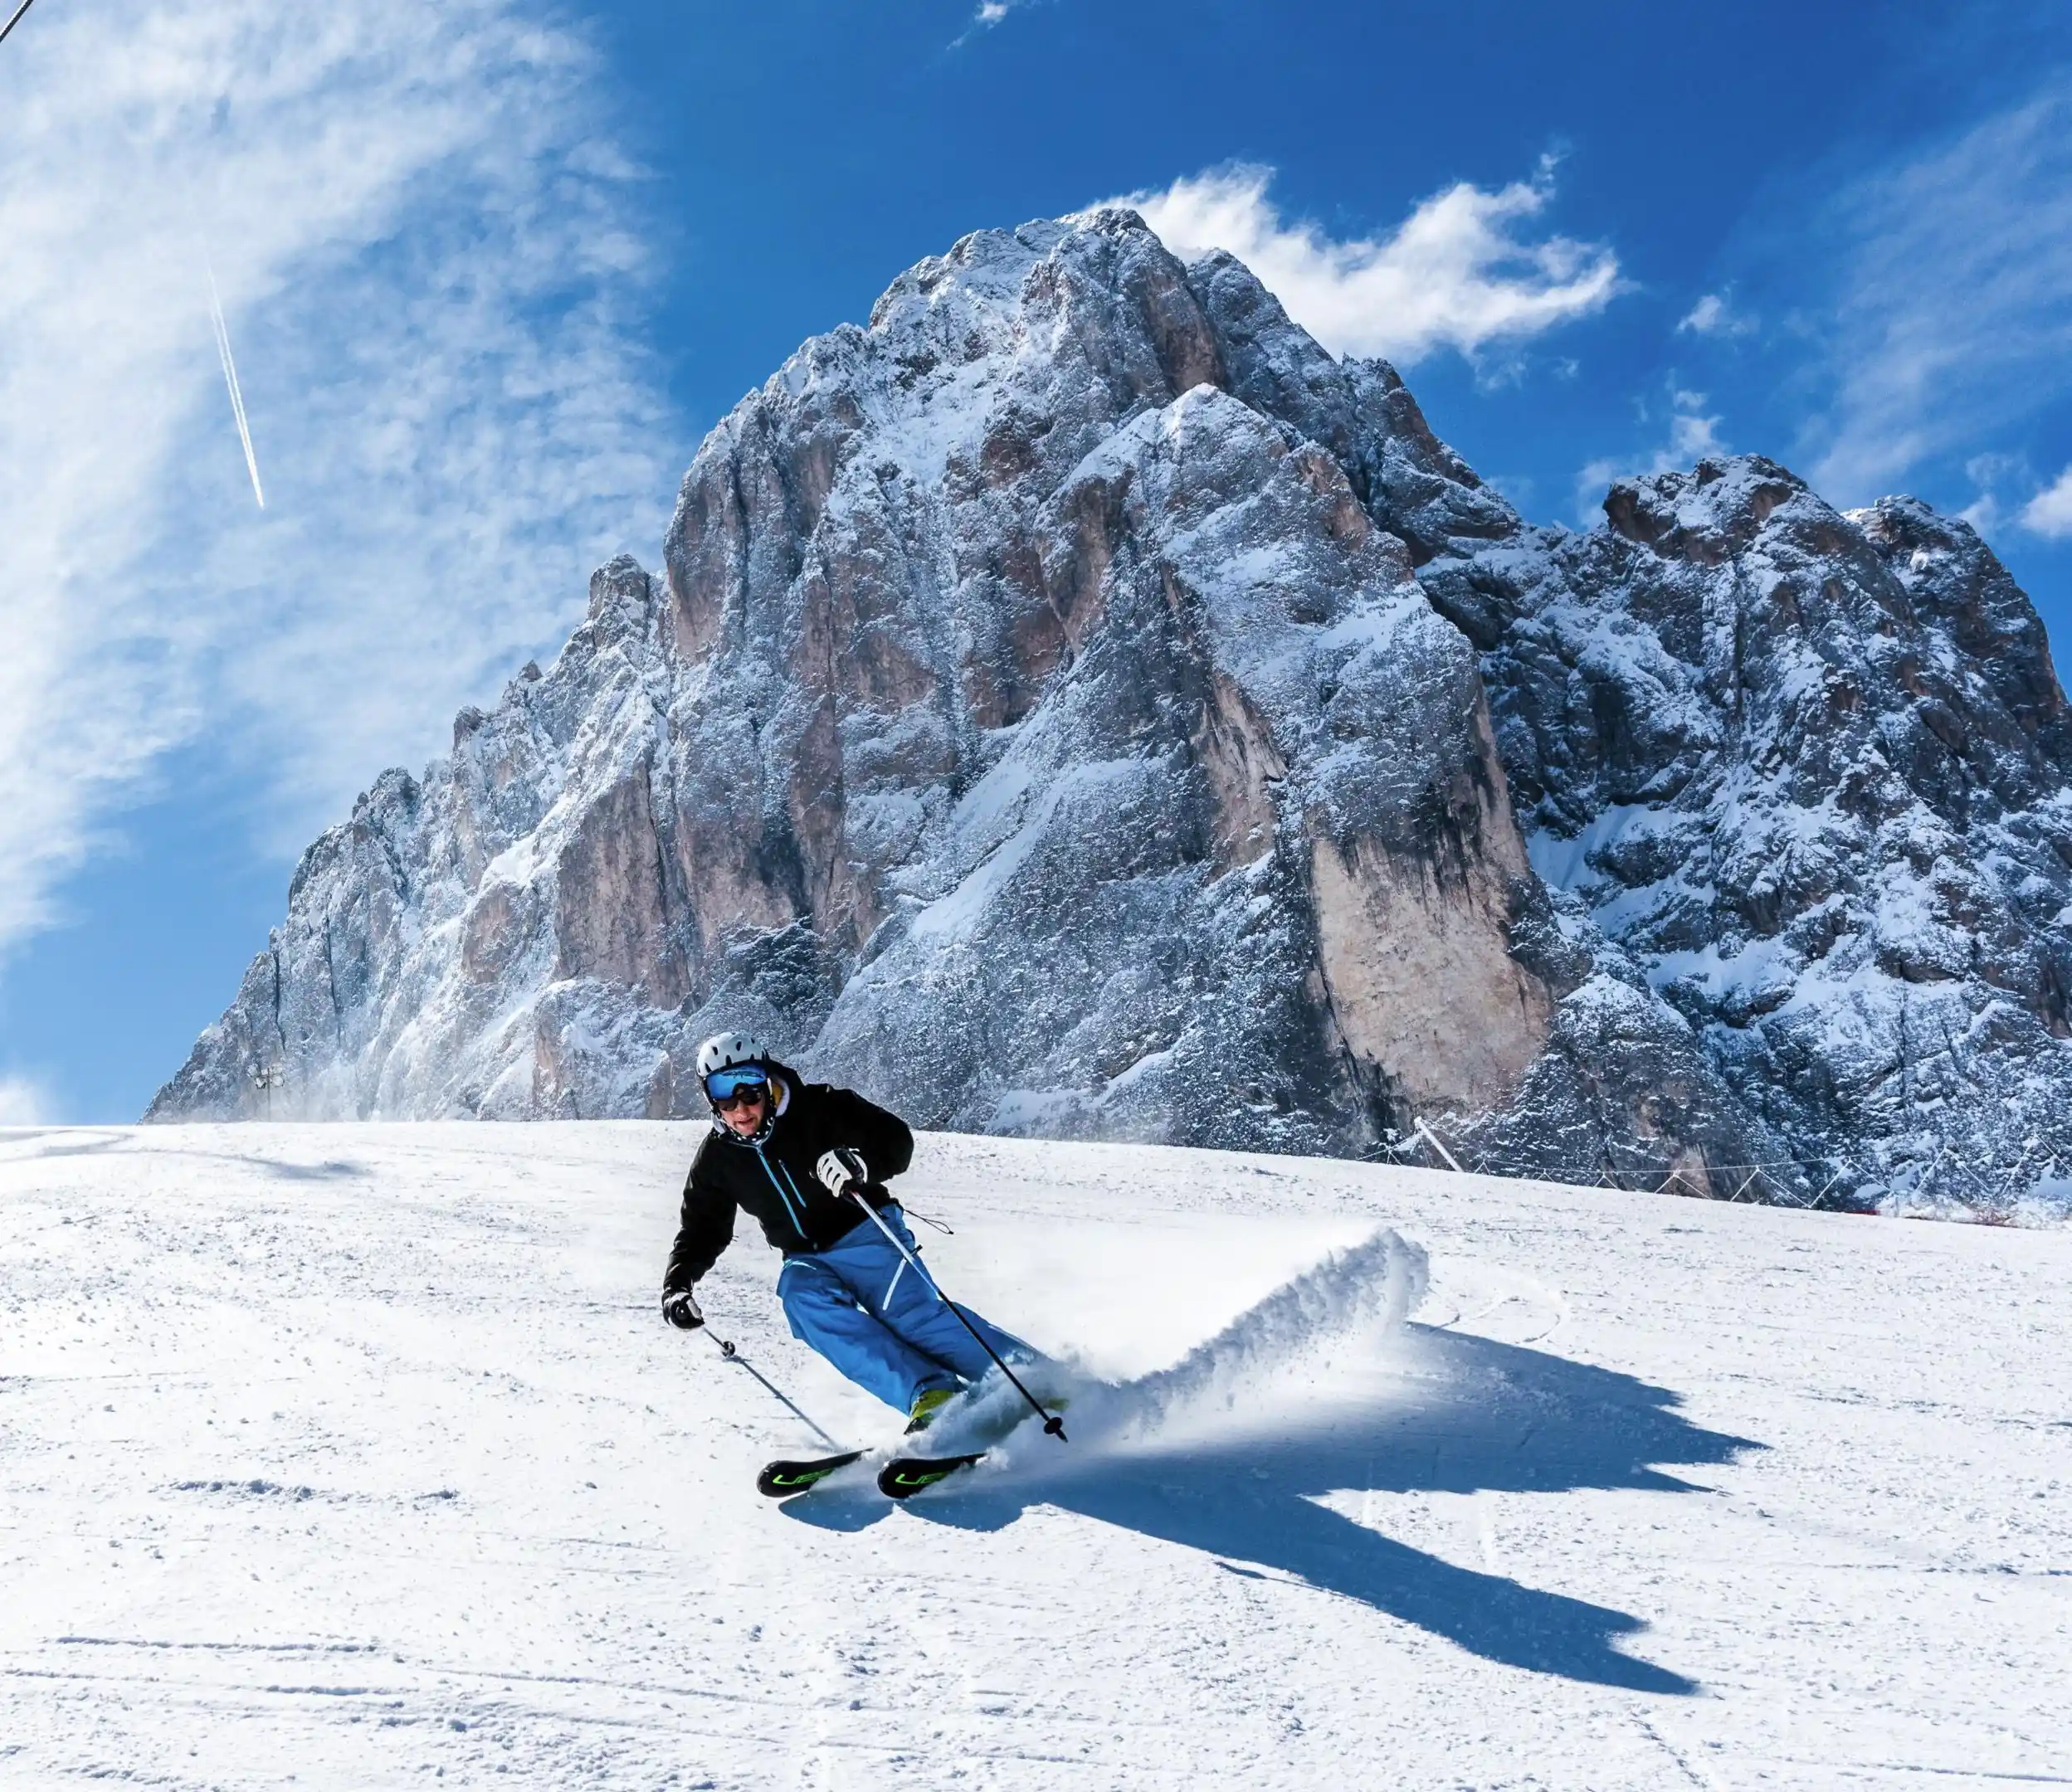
(1813, 772)
(1064, 712)
(1034, 726)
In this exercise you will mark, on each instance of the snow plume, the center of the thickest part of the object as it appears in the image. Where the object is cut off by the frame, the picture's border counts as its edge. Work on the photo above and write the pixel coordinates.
(1462, 271)
(1352, 1299)
(415, 215)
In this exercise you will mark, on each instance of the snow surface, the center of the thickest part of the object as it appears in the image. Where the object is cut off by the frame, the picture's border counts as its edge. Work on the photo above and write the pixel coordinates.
(358, 1456)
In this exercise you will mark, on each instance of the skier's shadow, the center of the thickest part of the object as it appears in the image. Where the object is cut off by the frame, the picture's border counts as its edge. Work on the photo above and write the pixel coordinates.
(1468, 1415)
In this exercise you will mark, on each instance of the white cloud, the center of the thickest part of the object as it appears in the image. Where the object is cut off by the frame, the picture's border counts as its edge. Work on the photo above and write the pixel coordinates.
(1987, 470)
(424, 254)
(23, 1103)
(1463, 270)
(1713, 316)
(2050, 511)
(1988, 473)
(1953, 317)
(990, 13)
(1983, 513)
(1691, 436)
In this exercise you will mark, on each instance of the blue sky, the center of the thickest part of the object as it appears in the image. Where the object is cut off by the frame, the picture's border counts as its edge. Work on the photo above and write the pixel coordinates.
(489, 270)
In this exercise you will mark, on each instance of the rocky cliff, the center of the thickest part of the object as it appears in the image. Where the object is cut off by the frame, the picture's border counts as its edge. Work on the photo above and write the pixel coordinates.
(1076, 703)
(1813, 770)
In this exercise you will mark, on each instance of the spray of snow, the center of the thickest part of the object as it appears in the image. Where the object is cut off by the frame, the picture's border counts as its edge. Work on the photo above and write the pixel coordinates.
(230, 379)
(1350, 1302)
(1351, 1298)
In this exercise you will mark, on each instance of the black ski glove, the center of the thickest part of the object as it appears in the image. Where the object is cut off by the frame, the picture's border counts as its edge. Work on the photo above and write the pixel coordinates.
(837, 1169)
(681, 1309)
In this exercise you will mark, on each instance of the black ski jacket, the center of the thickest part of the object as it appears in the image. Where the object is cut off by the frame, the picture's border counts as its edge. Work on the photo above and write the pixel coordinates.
(772, 1180)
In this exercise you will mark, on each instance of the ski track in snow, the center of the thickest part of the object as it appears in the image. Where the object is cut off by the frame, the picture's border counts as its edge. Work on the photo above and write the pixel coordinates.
(359, 1456)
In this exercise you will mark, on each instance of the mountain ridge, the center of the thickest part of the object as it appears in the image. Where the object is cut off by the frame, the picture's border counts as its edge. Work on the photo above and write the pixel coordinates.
(1076, 703)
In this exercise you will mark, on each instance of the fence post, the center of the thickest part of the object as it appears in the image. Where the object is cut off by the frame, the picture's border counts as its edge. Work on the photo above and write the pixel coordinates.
(1431, 1139)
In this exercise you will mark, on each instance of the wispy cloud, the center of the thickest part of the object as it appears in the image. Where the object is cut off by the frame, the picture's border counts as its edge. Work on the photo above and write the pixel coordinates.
(1469, 269)
(1688, 434)
(2050, 511)
(1983, 513)
(2008, 494)
(988, 14)
(1713, 315)
(423, 243)
(23, 1103)
(1952, 321)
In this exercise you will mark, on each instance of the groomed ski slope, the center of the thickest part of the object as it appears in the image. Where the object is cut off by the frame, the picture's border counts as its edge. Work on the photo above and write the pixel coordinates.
(357, 1457)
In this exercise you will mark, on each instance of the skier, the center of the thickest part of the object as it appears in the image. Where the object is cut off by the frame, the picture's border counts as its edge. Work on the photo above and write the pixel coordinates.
(810, 1161)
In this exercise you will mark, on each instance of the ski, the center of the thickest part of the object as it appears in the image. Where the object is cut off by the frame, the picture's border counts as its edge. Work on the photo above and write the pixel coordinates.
(781, 1480)
(905, 1476)
(901, 1476)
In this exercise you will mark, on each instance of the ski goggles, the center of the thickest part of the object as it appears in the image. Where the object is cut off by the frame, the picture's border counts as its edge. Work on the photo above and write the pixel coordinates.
(729, 1088)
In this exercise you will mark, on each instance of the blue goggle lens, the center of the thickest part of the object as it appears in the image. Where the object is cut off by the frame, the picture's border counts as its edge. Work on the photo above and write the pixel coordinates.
(722, 1083)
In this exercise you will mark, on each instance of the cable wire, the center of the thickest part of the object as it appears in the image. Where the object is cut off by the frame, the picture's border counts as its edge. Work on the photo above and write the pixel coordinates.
(15, 20)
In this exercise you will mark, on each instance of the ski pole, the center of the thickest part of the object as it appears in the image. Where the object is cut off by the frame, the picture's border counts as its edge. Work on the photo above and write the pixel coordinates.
(1053, 1425)
(733, 1356)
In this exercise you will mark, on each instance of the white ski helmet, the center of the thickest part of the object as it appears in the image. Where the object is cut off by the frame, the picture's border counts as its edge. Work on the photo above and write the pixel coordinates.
(722, 1051)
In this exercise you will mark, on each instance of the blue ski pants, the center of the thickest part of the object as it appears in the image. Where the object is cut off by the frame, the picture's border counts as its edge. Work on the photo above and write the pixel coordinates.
(869, 1313)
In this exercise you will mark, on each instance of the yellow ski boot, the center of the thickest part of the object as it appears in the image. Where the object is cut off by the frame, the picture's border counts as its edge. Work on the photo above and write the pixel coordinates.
(928, 1402)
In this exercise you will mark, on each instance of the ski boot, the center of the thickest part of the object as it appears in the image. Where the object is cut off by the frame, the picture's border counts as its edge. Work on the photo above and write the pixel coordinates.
(927, 1404)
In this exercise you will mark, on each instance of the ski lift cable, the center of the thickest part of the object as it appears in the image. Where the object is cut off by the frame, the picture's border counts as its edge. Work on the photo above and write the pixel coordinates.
(15, 19)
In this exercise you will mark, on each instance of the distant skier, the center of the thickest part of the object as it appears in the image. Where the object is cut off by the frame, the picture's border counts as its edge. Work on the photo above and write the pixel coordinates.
(804, 1159)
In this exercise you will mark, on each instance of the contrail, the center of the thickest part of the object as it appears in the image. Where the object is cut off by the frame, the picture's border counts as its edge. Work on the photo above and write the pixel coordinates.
(230, 379)
(15, 20)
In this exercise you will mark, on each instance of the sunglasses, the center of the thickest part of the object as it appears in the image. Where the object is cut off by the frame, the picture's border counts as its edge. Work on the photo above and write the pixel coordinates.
(731, 1089)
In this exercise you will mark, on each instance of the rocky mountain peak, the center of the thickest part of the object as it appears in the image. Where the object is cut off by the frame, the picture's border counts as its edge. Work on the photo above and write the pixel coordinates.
(1076, 703)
